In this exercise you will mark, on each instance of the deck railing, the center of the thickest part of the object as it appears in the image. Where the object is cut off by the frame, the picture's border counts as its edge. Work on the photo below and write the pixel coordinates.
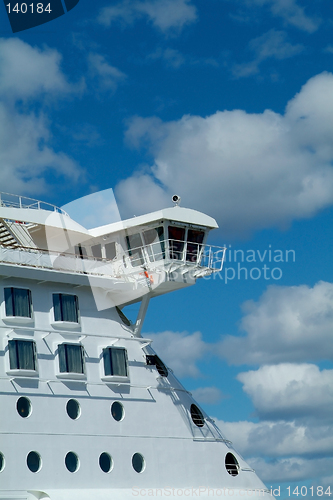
(16, 201)
(197, 258)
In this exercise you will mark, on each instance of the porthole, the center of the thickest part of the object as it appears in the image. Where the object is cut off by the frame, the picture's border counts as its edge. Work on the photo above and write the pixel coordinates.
(197, 416)
(2, 462)
(105, 462)
(231, 464)
(138, 462)
(72, 461)
(117, 411)
(34, 461)
(73, 409)
(23, 407)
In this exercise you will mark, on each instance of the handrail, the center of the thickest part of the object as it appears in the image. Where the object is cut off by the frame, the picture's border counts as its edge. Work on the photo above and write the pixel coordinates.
(16, 201)
(195, 256)
(178, 251)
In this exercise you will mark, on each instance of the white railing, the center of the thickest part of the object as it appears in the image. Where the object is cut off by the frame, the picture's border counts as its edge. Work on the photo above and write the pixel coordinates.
(178, 252)
(192, 256)
(16, 201)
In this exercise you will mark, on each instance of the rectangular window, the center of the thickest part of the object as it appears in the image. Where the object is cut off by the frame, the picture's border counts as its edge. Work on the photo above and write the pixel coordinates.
(176, 242)
(115, 361)
(154, 240)
(97, 251)
(110, 250)
(65, 307)
(134, 245)
(194, 240)
(22, 355)
(18, 302)
(71, 358)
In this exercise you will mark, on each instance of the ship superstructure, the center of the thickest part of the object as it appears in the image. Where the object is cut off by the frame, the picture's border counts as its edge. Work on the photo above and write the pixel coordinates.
(89, 411)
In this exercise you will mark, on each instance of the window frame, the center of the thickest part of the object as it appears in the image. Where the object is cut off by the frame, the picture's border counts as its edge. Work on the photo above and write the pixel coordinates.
(17, 318)
(23, 372)
(71, 374)
(111, 377)
(63, 323)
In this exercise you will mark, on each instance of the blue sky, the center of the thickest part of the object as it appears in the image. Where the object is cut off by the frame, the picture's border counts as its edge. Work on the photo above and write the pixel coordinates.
(230, 105)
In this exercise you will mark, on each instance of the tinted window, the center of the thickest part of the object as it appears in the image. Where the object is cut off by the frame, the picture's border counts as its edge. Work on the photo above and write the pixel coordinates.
(155, 245)
(71, 358)
(22, 355)
(176, 242)
(97, 251)
(18, 302)
(194, 244)
(115, 361)
(65, 307)
(110, 250)
(134, 245)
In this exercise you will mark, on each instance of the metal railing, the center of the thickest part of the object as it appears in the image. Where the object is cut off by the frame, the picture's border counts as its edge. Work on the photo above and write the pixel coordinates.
(178, 251)
(128, 265)
(16, 201)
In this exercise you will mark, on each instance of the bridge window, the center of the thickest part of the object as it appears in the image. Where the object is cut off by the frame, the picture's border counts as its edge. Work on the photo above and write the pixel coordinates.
(65, 307)
(71, 358)
(97, 251)
(110, 250)
(134, 245)
(115, 361)
(176, 243)
(154, 241)
(194, 244)
(22, 354)
(18, 302)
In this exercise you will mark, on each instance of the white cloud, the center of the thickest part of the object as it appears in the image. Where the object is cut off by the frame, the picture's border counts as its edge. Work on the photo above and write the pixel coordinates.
(108, 76)
(172, 57)
(279, 439)
(292, 13)
(25, 155)
(290, 391)
(163, 14)
(207, 395)
(27, 71)
(272, 44)
(180, 351)
(250, 171)
(292, 469)
(286, 324)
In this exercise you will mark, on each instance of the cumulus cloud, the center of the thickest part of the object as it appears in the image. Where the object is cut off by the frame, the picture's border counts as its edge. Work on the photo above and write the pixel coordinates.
(290, 390)
(292, 469)
(207, 395)
(286, 324)
(291, 12)
(279, 439)
(108, 76)
(250, 171)
(25, 155)
(270, 45)
(172, 57)
(180, 351)
(165, 15)
(27, 71)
